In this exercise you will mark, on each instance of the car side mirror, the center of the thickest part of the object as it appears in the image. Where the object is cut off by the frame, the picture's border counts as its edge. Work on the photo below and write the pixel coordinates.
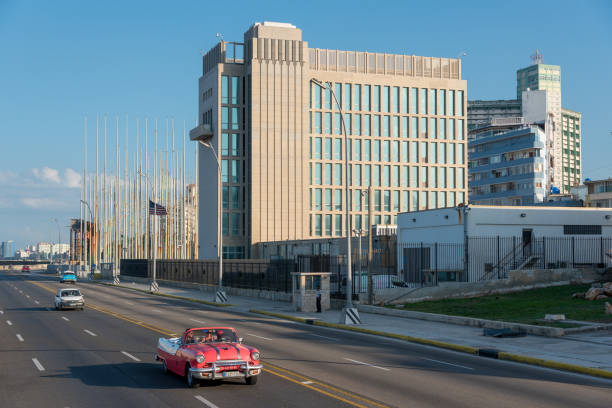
(240, 339)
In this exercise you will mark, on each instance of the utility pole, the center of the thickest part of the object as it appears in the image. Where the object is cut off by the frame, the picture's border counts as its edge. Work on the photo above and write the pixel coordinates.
(370, 280)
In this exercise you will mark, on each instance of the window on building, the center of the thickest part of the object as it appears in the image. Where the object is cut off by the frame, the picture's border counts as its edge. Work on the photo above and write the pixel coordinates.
(366, 98)
(414, 131)
(413, 100)
(235, 90)
(338, 200)
(442, 102)
(404, 100)
(357, 124)
(357, 97)
(338, 174)
(224, 89)
(423, 101)
(347, 97)
(385, 99)
(376, 95)
(337, 149)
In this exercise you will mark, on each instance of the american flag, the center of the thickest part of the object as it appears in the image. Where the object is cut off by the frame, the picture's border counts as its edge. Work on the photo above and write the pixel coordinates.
(157, 209)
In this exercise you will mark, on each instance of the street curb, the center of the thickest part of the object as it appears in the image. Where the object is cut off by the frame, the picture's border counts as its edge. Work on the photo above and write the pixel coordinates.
(205, 302)
(555, 364)
(435, 343)
(455, 347)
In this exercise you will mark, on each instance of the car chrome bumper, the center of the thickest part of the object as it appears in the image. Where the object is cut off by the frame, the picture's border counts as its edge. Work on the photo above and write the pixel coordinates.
(73, 305)
(215, 371)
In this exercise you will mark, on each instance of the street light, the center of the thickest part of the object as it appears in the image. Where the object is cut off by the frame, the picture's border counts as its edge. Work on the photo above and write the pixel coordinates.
(350, 313)
(203, 134)
(90, 244)
(153, 287)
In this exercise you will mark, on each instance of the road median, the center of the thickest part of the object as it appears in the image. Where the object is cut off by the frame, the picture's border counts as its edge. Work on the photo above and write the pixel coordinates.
(450, 346)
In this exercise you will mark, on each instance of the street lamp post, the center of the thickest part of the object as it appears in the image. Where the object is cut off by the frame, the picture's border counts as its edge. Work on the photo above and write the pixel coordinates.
(220, 296)
(154, 287)
(90, 244)
(358, 232)
(351, 316)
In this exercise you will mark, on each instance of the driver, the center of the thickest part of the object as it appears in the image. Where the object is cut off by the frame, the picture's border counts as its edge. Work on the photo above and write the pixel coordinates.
(210, 337)
(189, 338)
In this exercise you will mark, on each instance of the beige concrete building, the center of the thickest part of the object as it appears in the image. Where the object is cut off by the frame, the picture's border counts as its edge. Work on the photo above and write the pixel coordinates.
(282, 147)
(599, 193)
(571, 149)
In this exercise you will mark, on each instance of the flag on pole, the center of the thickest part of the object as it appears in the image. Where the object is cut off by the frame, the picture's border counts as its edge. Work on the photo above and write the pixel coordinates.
(157, 209)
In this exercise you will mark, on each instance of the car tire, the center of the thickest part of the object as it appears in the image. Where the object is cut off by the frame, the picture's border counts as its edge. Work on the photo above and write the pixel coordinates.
(191, 382)
(165, 368)
(252, 380)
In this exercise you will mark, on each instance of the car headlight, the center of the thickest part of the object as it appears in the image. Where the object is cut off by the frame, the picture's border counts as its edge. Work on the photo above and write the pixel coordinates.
(255, 355)
(200, 358)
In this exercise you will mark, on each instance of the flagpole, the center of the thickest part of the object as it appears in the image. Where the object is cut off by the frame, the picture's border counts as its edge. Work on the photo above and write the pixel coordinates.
(153, 283)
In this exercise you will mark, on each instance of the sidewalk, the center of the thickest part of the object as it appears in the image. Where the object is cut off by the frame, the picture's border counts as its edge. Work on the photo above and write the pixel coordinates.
(580, 352)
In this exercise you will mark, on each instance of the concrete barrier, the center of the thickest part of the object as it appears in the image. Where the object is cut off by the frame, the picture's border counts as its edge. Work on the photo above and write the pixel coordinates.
(465, 321)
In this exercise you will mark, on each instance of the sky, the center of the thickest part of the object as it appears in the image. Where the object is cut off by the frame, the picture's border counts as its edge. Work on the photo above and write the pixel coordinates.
(63, 60)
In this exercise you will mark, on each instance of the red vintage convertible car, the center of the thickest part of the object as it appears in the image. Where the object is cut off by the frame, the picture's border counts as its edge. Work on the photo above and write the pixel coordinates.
(209, 353)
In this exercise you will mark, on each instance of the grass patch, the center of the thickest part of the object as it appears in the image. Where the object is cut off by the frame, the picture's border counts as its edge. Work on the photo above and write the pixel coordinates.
(527, 307)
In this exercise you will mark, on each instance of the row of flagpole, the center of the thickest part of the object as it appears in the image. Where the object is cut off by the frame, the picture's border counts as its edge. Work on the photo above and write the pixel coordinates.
(115, 220)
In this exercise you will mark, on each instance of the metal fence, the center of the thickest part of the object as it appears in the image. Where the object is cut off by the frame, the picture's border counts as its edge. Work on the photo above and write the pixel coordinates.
(274, 275)
(486, 258)
(384, 274)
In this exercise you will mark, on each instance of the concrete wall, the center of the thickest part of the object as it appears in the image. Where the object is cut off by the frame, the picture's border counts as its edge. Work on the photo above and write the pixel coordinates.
(518, 281)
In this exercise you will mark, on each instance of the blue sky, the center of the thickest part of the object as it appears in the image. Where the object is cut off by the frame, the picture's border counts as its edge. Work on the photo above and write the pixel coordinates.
(62, 60)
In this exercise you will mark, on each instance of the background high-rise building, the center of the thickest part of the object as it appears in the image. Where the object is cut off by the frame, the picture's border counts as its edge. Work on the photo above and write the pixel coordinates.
(571, 142)
(281, 144)
(538, 77)
(6, 249)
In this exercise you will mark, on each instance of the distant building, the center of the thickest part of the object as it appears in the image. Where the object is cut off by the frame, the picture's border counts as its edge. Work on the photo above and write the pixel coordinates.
(571, 149)
(6, 249)
(508, 164)
(43, 248)
(599, 193)
(191, 220)
(481, 113)
(538, 91)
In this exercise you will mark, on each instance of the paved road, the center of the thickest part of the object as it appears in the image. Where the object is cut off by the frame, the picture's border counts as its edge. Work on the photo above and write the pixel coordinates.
(104, 356)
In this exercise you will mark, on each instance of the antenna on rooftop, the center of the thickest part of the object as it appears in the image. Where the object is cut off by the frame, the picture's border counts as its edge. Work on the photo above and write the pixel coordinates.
(536, 58)
(219, 35)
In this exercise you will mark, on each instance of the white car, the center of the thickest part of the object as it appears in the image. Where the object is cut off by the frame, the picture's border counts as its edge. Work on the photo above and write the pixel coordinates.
(69, 298)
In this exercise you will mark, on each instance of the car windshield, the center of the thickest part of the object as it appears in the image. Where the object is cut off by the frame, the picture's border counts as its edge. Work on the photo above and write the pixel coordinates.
(69, 274)
(70, 293)
(210, 336)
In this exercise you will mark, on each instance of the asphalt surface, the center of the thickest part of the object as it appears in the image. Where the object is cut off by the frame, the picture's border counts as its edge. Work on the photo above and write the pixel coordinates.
(104, 356)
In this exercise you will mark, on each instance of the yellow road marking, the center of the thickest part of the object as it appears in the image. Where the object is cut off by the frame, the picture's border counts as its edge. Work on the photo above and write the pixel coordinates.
(329, 387)
(315, 389)
(269, 370)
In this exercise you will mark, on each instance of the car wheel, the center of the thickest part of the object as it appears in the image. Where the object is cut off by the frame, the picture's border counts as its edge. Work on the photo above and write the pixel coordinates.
(56, 307)
(165, 367)
(252, 380)
(191, 382)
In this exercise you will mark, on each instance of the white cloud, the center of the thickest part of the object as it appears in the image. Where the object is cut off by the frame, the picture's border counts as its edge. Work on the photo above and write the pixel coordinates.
(72, 179)
(47, 174)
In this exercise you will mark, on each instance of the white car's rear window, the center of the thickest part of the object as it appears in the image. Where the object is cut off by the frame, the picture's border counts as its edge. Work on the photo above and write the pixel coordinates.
(70, 293)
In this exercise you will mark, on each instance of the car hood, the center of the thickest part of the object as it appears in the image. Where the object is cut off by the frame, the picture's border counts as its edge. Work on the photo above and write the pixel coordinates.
(222, 351)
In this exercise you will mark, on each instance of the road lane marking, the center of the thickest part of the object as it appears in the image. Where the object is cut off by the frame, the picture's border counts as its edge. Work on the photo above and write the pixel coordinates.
(125, 353)
(28, 296)
(90, 333)
(198, 321)
(1, 311)
(259, 337)
(267, 369)
(205, 401)
(370, 365)
(19, 337)
(9, 322)
(323, 337)
(38, 365)
(37, 302)
(65, 318)
(444, 362)
(306, 382)
(129, 303)
(156, 310)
